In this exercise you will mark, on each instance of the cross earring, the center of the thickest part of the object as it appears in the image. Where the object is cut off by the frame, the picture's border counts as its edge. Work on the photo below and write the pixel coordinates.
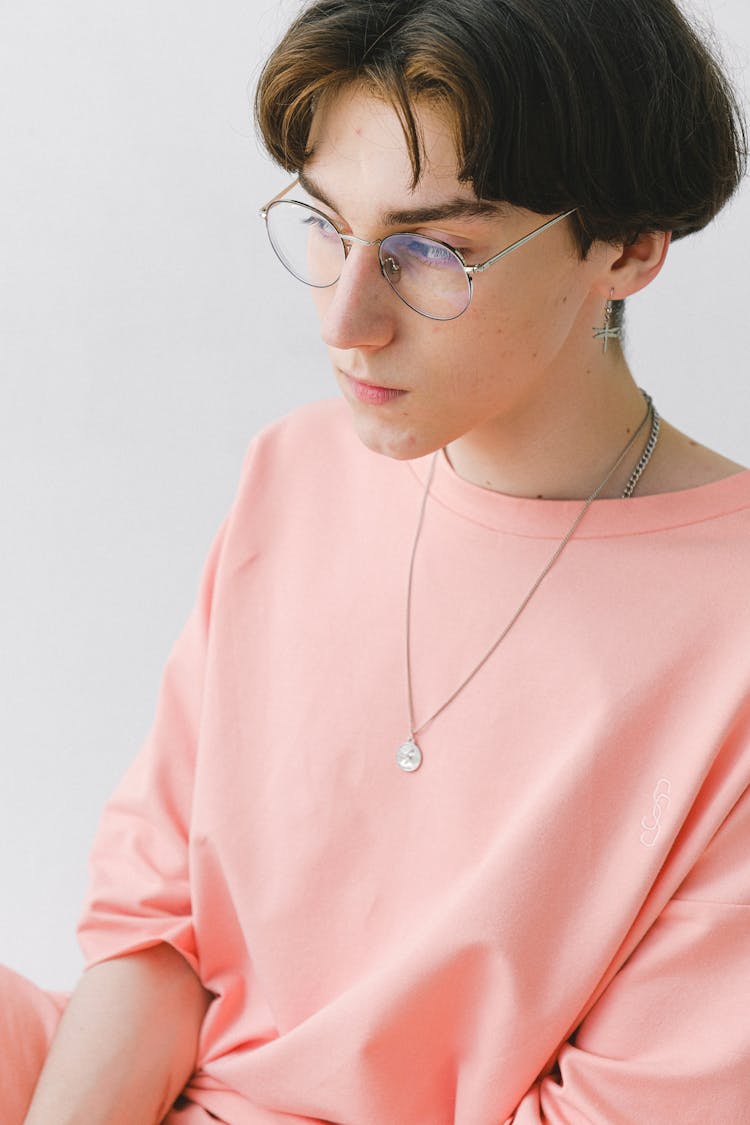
(607, 332)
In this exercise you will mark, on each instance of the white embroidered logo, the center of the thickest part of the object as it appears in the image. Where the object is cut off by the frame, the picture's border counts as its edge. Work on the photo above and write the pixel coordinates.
(651, 824)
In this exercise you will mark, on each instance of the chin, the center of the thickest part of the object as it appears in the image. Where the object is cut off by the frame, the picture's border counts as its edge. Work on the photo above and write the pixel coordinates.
(404, 443)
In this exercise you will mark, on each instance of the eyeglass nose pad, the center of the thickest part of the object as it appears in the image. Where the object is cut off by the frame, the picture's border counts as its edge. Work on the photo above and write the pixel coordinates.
(390, 267)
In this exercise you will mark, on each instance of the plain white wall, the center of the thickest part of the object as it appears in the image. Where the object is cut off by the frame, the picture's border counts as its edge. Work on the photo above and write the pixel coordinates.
(146, 333)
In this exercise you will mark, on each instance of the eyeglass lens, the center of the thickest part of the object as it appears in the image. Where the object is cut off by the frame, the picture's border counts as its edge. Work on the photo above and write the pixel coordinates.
(426, 275)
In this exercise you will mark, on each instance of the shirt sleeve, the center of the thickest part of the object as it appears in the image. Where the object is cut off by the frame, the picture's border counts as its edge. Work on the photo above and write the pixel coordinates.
(669, 1039)
(139, 889)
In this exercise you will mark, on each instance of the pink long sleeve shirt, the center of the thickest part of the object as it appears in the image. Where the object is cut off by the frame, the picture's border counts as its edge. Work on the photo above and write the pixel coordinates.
(550, 920)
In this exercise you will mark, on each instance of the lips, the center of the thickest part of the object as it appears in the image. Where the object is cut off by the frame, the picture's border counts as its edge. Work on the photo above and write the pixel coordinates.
(371, 393)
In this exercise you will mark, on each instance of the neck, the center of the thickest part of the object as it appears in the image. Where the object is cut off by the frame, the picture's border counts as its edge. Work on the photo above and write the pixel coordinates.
(558, 446)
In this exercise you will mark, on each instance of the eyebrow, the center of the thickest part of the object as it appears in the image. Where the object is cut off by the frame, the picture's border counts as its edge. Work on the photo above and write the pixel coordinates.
(456, 208)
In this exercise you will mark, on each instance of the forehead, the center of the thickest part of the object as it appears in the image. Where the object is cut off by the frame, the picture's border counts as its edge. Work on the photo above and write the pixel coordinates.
(358, 150)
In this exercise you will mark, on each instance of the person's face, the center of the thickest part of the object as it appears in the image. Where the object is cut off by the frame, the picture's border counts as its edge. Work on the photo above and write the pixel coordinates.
(466, 377)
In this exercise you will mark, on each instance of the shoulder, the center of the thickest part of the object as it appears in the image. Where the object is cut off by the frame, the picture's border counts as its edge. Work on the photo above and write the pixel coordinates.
(303, 445)
(304, 430)
(310, 469)
(682, 463)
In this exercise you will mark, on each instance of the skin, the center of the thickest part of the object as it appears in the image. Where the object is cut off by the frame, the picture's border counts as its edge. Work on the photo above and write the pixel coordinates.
(126, 1044)
(516, 390)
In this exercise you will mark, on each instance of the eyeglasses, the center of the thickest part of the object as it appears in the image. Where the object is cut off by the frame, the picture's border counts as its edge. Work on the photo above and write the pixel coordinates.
(429, 276)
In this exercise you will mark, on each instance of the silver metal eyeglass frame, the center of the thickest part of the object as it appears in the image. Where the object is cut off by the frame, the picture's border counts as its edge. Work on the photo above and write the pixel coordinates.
(347, 239)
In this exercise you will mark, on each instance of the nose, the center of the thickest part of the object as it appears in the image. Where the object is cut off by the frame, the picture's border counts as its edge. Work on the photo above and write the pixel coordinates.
(359, 311)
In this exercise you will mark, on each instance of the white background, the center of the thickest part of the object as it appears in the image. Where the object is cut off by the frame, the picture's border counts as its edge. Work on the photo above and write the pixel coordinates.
(146, 333)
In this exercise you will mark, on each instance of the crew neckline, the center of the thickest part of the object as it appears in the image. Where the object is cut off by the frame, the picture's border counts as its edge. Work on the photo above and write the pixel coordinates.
(605, 518)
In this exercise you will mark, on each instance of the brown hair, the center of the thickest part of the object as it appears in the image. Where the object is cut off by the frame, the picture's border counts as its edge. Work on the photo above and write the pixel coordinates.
(613, 107)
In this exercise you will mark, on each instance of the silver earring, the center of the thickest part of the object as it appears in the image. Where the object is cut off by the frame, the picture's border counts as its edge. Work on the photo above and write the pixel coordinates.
(607, 332)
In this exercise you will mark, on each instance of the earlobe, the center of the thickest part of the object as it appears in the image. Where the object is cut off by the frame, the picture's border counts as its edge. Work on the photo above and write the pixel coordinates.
(639, 263)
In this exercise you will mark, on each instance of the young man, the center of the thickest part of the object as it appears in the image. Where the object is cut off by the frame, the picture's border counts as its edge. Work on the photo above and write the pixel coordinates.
(445, 813)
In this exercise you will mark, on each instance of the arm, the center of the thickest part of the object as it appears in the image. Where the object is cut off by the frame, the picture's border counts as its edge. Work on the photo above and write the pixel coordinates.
(128, 1040)
(669, 1038)
(126, 1044)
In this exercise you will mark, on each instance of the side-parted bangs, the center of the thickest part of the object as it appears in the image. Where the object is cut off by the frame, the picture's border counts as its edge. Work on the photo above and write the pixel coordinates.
(614, 107)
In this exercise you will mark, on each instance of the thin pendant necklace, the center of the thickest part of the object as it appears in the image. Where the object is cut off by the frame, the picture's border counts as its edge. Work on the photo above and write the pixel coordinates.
(409, 755)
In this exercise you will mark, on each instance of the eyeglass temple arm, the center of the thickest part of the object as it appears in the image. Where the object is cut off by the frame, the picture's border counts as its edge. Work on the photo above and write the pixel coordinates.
(522, 242)
(277, 197)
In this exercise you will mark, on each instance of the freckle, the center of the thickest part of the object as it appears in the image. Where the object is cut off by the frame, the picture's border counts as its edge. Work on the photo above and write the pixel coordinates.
(694, 444)
(540, 497)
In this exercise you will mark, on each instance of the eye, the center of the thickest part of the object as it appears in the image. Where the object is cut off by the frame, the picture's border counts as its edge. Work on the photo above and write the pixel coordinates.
(424, 249)
(319, 225)
(450, 241)
(434, 252)
(316, 222)
(441, 250)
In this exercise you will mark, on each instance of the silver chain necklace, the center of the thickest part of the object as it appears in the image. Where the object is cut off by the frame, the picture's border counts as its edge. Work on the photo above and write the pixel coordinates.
(409, 755)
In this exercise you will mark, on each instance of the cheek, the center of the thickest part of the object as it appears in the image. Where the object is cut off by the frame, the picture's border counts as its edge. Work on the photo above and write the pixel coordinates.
(527, 323)
(321, 299)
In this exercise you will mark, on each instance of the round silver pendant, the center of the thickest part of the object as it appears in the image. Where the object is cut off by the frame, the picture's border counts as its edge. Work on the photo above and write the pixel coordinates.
(409, 757)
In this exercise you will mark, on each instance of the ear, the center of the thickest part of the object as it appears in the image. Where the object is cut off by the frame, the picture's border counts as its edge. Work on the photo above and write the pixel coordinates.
(634, 267)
